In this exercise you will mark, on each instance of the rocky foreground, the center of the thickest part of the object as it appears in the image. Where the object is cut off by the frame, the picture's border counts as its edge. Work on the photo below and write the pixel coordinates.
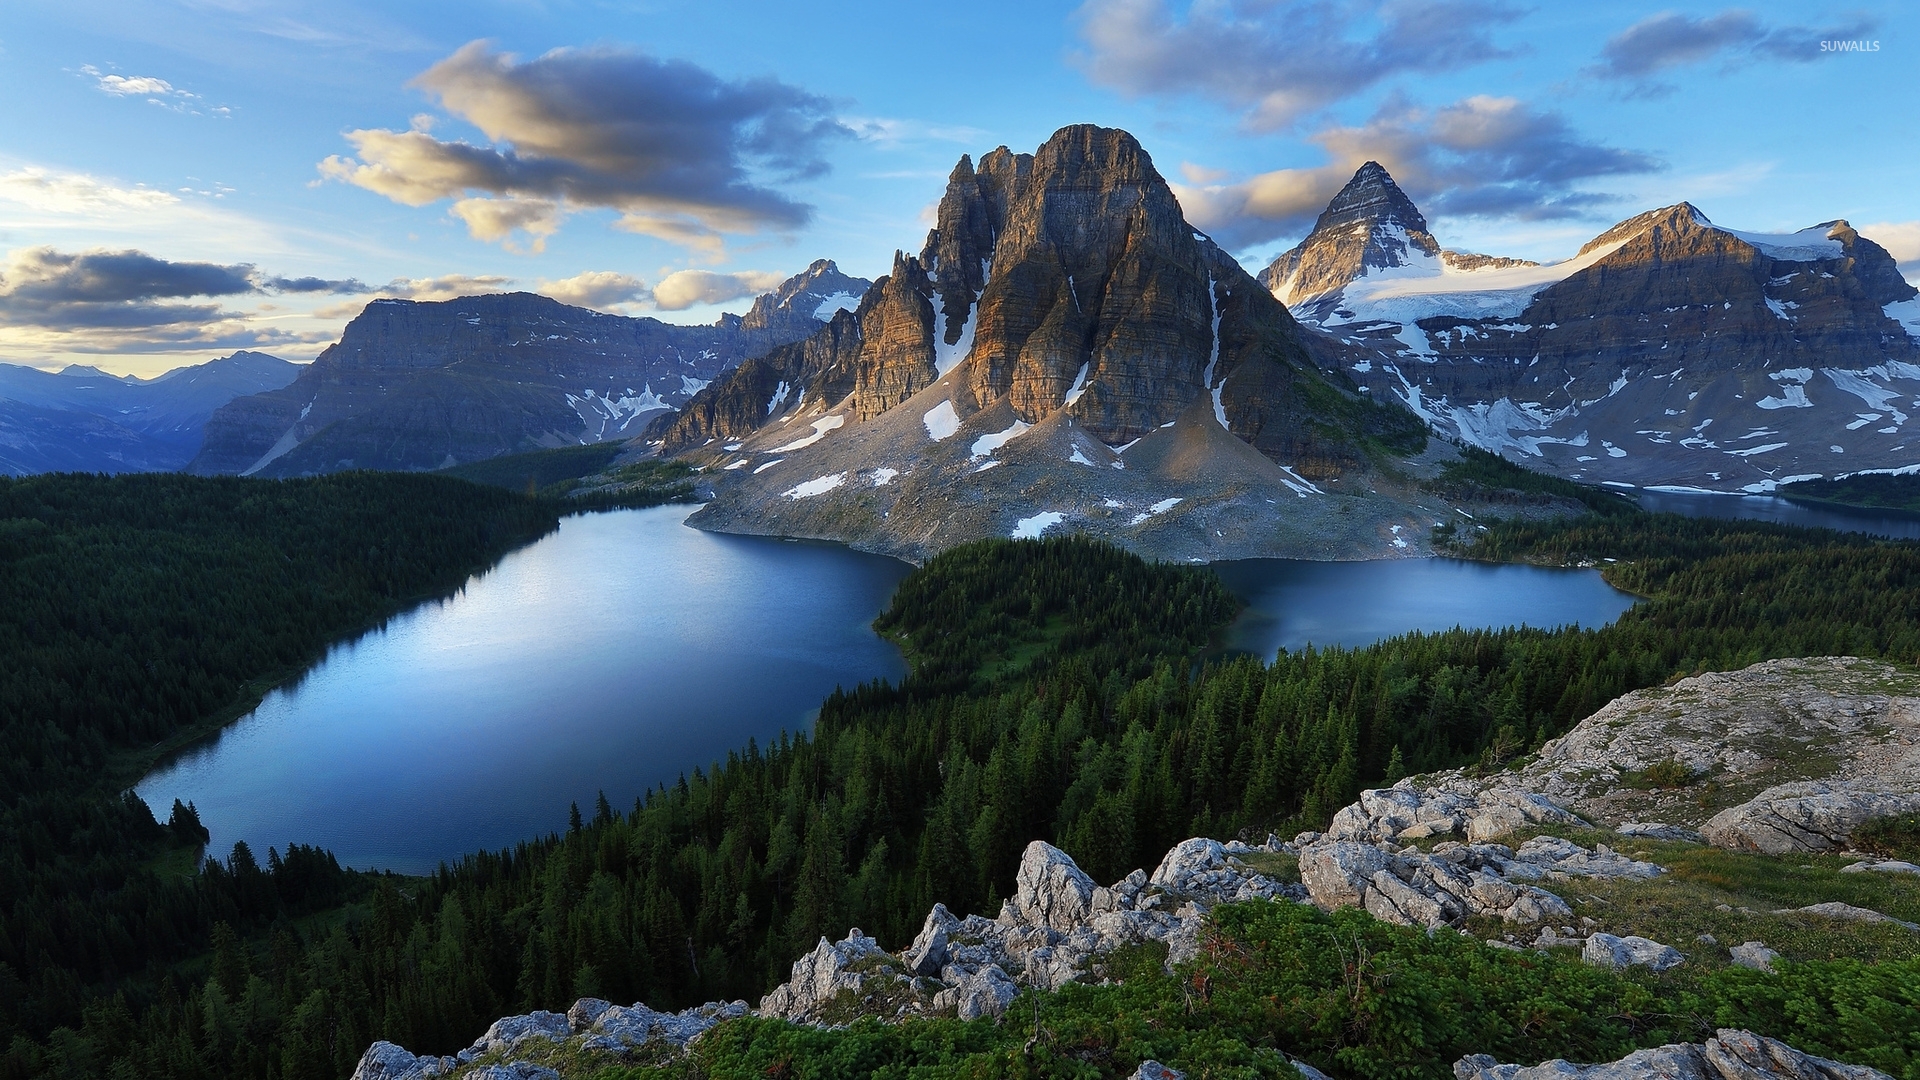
(1455, 850)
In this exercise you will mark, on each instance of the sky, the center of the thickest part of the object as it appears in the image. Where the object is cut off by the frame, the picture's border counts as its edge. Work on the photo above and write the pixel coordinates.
(180, 179)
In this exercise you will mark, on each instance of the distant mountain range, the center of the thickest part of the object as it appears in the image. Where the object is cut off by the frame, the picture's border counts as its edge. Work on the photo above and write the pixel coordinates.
(1668, 352)
(82, 419)
(426, 385)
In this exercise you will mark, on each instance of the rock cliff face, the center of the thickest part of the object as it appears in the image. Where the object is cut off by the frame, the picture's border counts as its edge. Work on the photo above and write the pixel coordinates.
(1669, 351)
(424, 385)
(1061, 301)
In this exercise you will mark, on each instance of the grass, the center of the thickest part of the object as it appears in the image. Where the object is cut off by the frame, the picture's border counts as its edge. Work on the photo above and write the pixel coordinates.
(1732, 896)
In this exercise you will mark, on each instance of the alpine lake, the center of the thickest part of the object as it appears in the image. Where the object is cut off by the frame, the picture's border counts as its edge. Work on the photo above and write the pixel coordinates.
(627, 649)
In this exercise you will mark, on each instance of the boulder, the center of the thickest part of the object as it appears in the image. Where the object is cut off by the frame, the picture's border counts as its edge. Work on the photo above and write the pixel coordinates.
(385, 1061)
(1846, 912)
(513, 1070)
(619, 1028)
(1753, 954)
(928, 953)
(1655, 830)
(1390, 899)
(1883, 866)
(584, 1012)
(507, 1033)
(1729, 1055)
(1338, 874)
(1153, 1070)
(1742, 1055)
(1050, 889)
(986, 992)
(819, 977)
(1189, 859)
(1607, 950)
(1804, 816)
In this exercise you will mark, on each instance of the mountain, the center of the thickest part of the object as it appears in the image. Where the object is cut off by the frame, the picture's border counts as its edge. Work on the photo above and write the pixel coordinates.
(423, 385)
(1065, 350)
(1668, 352)
(82, 419)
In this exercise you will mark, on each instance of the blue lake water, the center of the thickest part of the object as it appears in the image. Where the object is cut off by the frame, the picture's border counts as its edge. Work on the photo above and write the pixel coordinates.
(1291, 604)
(613, 655)
(1889, 523)
(626, 649)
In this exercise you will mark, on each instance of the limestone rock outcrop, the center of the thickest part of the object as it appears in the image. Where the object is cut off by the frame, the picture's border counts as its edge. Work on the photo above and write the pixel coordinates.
(1784, 755)
(1729, 1055)
(1805, 816)
(1057, 923)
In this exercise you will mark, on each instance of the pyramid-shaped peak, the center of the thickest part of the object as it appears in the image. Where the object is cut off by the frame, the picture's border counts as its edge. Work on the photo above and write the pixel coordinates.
(1371, 198)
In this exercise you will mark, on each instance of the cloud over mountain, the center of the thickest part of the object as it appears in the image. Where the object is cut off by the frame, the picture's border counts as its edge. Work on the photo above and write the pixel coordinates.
(1481, 156)
(680, 152)
(1734, 36)
(683, 289)
(1280, 60)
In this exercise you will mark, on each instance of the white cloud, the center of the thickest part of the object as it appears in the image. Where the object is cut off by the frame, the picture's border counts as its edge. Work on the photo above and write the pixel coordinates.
(1901, 239)
(139, 85)
(682, 290)
(601, 289)
(499, 219)
(78, 194)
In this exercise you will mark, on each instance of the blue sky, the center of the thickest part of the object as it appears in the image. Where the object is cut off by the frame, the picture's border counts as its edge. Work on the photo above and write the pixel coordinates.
(273, 165)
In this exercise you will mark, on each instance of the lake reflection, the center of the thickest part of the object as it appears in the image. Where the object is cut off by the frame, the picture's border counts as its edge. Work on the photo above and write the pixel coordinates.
(612, 655)
(1291, 603)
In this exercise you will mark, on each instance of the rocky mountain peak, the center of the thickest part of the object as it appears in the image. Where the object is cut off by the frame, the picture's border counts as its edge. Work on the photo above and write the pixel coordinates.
(1371, 198)
(1370, 226)
(808, 297)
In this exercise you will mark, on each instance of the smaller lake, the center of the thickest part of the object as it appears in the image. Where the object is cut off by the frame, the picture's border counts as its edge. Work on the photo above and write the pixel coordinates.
(1293, 603)
(1772, 508)
(613, 655)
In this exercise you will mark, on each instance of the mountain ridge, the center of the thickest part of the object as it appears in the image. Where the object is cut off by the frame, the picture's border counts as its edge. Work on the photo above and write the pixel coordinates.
(415, 385)
(1616, 364)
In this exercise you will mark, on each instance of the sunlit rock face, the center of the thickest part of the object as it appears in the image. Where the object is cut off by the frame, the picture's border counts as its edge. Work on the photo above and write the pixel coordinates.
(1668, 351)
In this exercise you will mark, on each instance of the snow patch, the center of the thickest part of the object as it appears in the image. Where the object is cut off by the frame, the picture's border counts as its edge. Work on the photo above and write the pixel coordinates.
(882, 477)
(1807, 245)
(947, 357)
(741, 464)
(1792, 396)
(1079, 458)
(1030, 528)
(819, 485)
(1752, 450)
(1158, 508)
(1907, 314)
(765, 465)
(840, 301)
(779, 396)
(820, 429)
(941, 421)
(691, 386)
(1299, 485)
(985, 445)
(1079, 386)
